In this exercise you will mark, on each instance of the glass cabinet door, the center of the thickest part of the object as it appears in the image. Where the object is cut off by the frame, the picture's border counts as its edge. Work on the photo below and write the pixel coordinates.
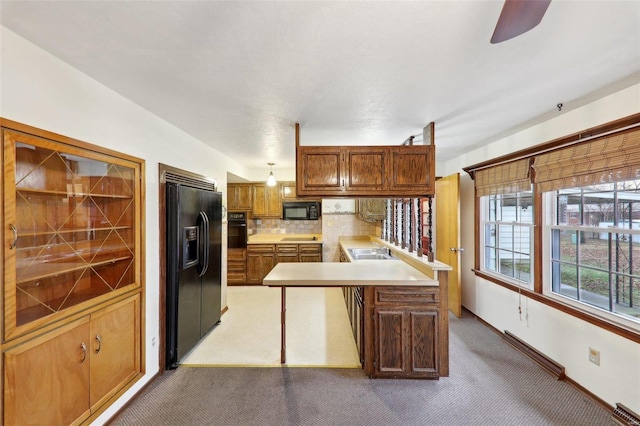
(73, 235)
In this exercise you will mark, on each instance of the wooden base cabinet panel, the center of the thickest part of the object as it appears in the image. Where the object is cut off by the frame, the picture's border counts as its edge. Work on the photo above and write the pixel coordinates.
(46, 380)
(115, 351)
(236, 266)
(65, 376)
(401, 332)
(261, 259)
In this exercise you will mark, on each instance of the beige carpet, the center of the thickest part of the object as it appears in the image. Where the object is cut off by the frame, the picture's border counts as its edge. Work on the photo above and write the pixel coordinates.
(318, 330)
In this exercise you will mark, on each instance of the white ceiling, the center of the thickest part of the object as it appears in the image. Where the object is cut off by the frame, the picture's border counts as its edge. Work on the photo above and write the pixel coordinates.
(238, 75)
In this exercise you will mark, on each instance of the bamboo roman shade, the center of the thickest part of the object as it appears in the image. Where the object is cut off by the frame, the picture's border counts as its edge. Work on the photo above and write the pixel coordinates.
(504, 178)
(604, 160)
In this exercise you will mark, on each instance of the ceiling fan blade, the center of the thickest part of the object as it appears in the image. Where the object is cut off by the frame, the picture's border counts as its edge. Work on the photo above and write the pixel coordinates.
(518, 17)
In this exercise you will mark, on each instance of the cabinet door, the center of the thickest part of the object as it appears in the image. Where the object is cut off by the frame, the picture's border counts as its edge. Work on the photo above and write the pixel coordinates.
(274, 203)
(288, 191)
(46, 380)
(258, 266)
(412, 169)
(366, 169)
(390, 355)
(406, 342)
(266, 201)
(115, 348)
(423, 342)
(239, 196)
(243, 197)
(320, 170)
(73, 217)
(261, 259)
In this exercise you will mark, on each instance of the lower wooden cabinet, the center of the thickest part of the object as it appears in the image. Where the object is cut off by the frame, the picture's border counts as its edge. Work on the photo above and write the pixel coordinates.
(236, 266)
(66, 375)
(310, 252)
(402, 332)
(261, 259)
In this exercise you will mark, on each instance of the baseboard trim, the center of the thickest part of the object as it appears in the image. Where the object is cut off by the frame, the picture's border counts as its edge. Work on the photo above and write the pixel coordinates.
(544, 361)
(567, 379)
(625, 417)
(133, 397)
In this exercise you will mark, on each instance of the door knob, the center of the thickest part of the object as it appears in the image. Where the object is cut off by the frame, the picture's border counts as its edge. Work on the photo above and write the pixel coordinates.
(458, 250)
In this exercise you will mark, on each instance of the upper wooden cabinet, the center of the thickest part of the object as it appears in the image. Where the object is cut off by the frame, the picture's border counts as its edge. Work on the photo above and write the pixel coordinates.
(72, 219)
(239, 196)
(288, 191)
(266, 201)
(382, 171)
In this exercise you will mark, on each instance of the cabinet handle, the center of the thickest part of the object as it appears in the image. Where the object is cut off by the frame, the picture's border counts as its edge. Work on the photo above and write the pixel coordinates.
(84, 352)
(15, 237)
(99, 339)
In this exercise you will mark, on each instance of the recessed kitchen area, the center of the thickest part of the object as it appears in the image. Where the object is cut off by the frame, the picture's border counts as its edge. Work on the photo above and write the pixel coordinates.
(338, 264)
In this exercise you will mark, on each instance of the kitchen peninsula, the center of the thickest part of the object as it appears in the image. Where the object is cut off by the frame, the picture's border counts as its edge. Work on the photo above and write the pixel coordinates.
(405, 314)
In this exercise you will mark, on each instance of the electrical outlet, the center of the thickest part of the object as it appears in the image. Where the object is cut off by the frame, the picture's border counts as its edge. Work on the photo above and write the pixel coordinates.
(153, 341)
(594, 356)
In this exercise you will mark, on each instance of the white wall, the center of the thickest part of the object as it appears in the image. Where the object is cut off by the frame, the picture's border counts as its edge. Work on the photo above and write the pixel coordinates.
(39, 90)
(563, 337)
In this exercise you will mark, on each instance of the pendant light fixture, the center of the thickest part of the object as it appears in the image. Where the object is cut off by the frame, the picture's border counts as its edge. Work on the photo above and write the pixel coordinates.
(271, 180)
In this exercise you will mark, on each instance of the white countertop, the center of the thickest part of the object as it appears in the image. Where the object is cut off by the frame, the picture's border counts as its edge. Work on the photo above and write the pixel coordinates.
(336, 274)
(285, 239)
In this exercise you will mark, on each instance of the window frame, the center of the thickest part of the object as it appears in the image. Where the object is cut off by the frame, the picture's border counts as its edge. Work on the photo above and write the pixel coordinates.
(549, 203)
(618, 326)
(485, 220)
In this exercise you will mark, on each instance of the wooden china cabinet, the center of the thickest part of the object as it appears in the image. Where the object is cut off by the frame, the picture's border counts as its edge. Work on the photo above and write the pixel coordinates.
(72, 276)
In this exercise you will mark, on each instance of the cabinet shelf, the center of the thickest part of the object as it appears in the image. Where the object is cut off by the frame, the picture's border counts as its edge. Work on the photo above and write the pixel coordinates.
(65, 194)
(70, 231)
(33, 313)
(53, 268)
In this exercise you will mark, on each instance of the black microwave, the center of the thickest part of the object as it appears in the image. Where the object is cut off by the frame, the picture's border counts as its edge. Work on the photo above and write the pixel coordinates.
(301, 210)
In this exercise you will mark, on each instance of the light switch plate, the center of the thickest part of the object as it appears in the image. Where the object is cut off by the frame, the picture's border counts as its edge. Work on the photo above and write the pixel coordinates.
(594, 356)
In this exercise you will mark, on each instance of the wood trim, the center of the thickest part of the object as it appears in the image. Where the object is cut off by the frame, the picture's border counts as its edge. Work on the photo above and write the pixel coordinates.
(620, 124)
(537, 248)
(566, 378)
(621, 331)
(162, 284)
(476, 229)
(544, 361)
(55, 137)
(133, 398)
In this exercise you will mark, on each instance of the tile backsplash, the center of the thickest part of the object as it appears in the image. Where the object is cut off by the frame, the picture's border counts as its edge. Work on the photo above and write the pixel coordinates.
(331, 226)
(335, 226)
(279, 226)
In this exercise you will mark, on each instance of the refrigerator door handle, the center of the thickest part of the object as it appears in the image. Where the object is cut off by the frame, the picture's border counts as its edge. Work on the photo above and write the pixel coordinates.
(204, 264)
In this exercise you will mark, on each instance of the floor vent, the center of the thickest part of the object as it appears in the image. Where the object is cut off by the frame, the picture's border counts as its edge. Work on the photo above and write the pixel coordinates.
(545, 362)
(625, 417)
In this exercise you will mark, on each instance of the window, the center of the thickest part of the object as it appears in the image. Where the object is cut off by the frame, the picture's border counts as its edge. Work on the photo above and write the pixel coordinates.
(508, 236)
(561, 221)
(594, 244)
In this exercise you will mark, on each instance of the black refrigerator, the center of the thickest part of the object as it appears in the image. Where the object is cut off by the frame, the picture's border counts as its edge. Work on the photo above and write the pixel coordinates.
(194, 286)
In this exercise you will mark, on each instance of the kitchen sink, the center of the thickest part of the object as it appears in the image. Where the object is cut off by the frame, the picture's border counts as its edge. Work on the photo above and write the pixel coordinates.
(370, 254)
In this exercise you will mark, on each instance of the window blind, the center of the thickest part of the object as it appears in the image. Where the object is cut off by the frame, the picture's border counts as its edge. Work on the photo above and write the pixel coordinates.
(609, 159)
(505, 178)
